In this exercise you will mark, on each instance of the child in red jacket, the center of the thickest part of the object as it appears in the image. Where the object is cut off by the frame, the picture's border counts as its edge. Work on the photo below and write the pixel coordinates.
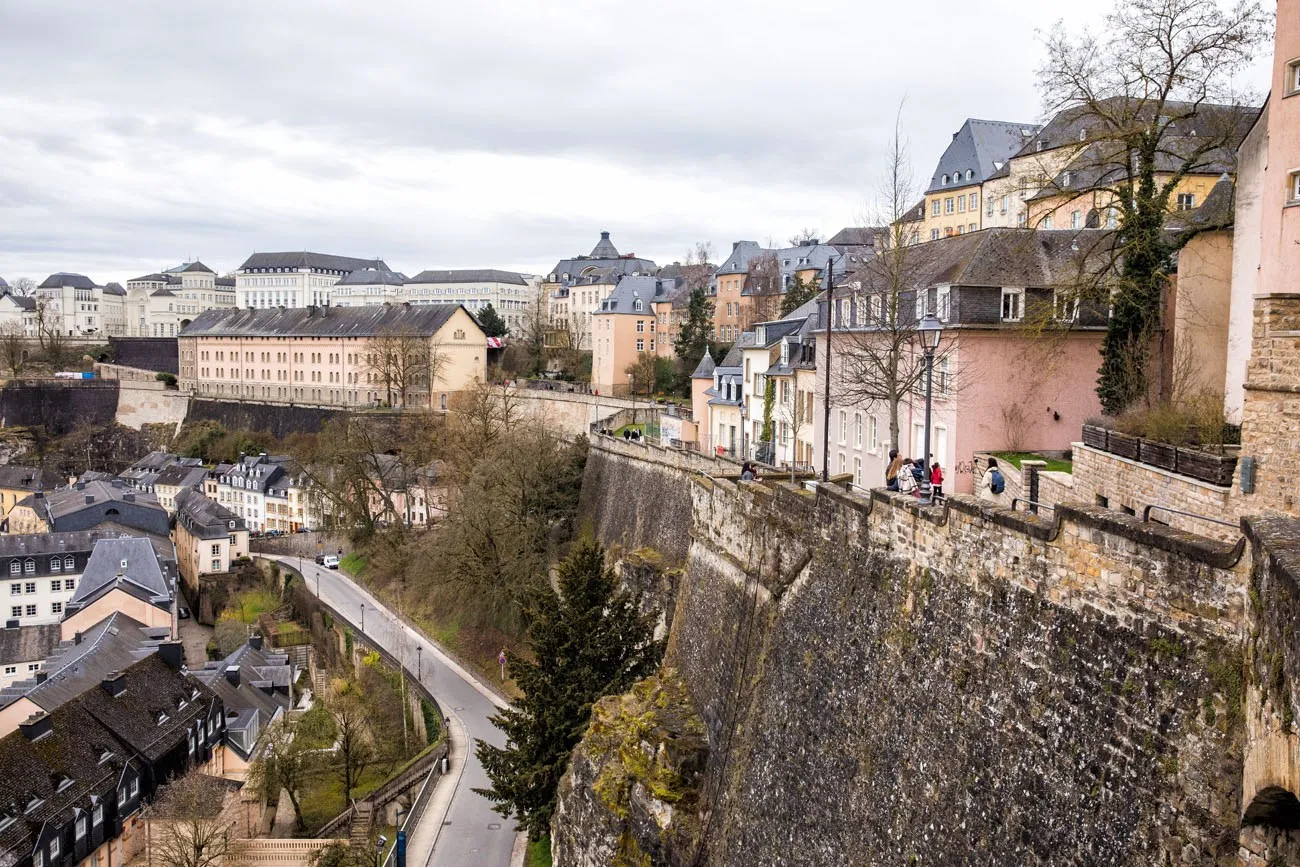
(936, 480)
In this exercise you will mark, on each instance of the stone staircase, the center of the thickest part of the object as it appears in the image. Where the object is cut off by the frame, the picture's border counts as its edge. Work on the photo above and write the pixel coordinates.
(359, 834)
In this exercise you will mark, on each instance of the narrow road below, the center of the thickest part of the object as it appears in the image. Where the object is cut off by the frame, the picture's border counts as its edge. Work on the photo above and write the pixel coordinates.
(471, 833)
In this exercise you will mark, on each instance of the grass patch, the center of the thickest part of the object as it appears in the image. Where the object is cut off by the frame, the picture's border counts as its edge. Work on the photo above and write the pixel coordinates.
(1054, 465)
(539, 853)
(322, 796)
(354, 564)
(249, 605)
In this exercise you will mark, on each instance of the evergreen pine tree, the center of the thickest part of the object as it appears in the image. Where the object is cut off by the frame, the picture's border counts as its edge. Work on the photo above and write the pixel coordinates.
(696, 331)
(799, 294)
(589, 640)
(492, 323)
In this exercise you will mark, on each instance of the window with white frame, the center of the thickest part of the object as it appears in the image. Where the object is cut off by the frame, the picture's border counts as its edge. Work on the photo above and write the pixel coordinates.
(877, 308)
(1112, 218)
(1293, 77)
(922, 296)
(1076, 219)
(943, 302)
(54, 848)
(942, 377)
(988, 208)
(841, 469)
(1013, 304)
(1066, 306)
(844, 426)
(82, 826)
(857, 430)
(974, 199)
(857, 471)
(1293, 187)
(97, 816)
(1186, 201)
(1046, 222)
(961, 204)
(874, 427)
(934, 234)
(949, 205)
(934, 208)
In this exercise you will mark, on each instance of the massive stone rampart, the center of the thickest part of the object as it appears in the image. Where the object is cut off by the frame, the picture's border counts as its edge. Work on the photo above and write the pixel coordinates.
(890, 685)
(56, 405)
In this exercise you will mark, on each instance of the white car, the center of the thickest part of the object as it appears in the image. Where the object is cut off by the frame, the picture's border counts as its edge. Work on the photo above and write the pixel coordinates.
(329, 561)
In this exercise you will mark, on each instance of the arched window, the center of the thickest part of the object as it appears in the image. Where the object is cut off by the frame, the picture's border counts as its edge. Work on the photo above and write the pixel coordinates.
(945, 180)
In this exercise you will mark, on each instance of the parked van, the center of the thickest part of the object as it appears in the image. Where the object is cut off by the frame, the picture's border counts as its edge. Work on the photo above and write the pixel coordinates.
(329, 561)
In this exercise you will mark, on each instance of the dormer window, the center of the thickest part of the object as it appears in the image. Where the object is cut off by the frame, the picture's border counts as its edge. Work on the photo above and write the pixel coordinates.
(162, 717)
(1066, 178)
(1041, 146)
(124, 564)
(637, 305)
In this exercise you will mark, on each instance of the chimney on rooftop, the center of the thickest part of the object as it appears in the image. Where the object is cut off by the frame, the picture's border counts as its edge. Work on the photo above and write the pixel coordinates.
(90, 498)
(232, 674)
(172, 653)
(114, 684)
(36, 726)
(255, 642)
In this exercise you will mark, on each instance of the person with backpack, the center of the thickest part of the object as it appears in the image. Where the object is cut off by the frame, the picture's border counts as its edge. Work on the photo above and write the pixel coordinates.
(906, 478)
(992, 484)
(891, 471)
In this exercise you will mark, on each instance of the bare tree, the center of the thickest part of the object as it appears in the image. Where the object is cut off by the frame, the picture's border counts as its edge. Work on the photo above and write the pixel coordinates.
(188, 825)
(352, 734)
(881, 361)
(765, 286)
(13, 347)
(49, 325)
(23, 286)
(283, 765)
(405, 363)
(642, 373)
(803, 236)
(1154, 100)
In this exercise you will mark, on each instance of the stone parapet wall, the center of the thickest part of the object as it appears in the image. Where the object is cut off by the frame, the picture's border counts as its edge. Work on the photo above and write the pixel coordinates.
(885, 684)
(1127, 484)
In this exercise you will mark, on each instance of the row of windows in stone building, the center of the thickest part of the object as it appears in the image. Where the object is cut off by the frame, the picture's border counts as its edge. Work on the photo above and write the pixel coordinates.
(57, 585)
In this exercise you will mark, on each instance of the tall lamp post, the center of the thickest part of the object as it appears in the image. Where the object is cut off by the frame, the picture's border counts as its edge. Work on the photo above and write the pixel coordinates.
(419, 663)
(930, 330)
(363, 618)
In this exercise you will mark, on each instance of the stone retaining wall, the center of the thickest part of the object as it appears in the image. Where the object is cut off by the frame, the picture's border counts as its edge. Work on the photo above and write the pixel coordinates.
(1121, 484)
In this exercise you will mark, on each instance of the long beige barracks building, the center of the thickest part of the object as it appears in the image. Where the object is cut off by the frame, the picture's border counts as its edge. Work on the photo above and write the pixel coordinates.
(384, 355)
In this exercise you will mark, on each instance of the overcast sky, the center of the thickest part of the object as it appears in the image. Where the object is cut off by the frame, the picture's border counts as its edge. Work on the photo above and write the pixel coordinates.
(135, 135)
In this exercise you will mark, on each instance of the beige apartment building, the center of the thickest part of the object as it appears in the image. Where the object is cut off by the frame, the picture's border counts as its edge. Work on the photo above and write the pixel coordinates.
(398, 355)
(624, 326)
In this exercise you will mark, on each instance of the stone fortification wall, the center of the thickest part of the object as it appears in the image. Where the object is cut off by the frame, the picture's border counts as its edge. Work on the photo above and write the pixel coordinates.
(569, 414)
(277, 419)
(58, 406)
(882, 684)
(149, 353)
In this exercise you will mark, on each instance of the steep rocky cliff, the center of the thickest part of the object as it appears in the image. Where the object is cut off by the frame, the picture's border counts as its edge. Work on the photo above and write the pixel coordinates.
(877, 684)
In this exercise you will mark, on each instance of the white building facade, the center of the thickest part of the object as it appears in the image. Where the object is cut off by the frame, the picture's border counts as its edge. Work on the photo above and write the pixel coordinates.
(294, 279)
(510, 294)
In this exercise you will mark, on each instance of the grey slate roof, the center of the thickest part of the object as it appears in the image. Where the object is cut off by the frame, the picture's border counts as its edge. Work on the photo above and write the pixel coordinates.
(26, 302)
(28, 643)
(226, 281)
(195, 266)
(157, 277)
(130, 564)
(204, 517)
(94, 502)
(418, 319)
(261, 695)
(3, 284)
(704, 370)
(741, 254)
(604, 248)
(114, 289)
(629, 290)
(470, 275)
(979, 148)
(113, 644)
(182, 476)
(29, 478)
(314, 261)
(62, 278)
(372, 277)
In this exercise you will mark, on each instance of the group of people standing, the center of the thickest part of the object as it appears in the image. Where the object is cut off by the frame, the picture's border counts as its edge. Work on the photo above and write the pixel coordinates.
(906, 475)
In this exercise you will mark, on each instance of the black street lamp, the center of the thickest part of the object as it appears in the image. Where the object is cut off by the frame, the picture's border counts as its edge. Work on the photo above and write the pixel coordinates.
(930, 330)
(419, 663)
(363, 605)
